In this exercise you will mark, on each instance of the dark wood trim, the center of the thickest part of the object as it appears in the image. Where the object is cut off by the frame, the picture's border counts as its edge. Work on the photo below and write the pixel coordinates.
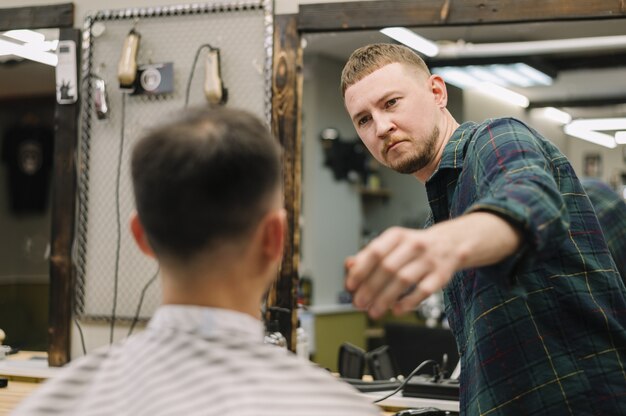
(378, 14)
(37, 17)
(589, 102)
(286, 126)
(63, 213)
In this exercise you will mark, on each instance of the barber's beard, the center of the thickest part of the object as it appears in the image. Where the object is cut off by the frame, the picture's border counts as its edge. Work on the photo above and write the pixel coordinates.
(419, 156)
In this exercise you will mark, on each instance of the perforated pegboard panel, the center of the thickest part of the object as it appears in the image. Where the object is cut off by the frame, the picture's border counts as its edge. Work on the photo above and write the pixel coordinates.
(111, 271)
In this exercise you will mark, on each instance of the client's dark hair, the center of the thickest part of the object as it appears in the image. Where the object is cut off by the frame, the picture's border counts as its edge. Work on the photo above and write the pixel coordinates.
(207, 176)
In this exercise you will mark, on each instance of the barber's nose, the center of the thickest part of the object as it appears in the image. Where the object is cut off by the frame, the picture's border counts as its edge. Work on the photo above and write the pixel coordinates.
(384, 126)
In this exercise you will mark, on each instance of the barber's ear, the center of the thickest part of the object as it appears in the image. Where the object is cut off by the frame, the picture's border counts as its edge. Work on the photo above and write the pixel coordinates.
(439, 90)
(274, 230)
(139, 235)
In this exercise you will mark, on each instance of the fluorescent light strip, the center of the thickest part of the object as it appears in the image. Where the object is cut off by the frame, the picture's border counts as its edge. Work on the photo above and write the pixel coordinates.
(601, 123)
(24, 51)
(555, 114)
(620, 137)
(513, 77)
(456, 76)
(25, 35)
(412, 40)
(469, 50)
(531, 73)
(483, 75)
(520, 74)
(589, 135)
(503, 94)
(461, 79)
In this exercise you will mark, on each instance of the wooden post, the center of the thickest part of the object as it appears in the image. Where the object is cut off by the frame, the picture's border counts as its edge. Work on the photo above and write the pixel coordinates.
(63, 216)
(286, 126)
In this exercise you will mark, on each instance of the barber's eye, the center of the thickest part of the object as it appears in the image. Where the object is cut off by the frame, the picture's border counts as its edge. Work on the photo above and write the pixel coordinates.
(391, 102)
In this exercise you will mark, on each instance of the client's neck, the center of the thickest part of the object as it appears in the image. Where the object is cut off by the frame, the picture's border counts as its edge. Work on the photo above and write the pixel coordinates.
(227, 282)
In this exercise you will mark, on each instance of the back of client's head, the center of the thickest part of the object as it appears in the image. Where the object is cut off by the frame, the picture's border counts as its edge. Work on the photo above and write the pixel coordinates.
(208, 177)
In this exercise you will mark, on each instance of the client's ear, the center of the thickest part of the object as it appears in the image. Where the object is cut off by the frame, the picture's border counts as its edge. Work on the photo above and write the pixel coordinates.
(274, 228)
(140, 235)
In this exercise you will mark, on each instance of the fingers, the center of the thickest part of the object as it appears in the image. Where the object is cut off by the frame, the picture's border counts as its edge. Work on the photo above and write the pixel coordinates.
(382, 272)
(397, 271)
(397, 274)
(364, 263)
(426, 287)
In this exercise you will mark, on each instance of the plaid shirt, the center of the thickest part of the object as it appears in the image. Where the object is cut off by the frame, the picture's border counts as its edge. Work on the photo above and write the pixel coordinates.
(611, 211)
(543, 332)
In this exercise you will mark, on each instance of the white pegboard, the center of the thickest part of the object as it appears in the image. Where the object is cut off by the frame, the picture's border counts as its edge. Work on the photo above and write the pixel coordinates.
(243, 33)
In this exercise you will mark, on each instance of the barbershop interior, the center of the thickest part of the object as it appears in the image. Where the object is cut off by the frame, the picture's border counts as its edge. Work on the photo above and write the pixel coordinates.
(81, 82)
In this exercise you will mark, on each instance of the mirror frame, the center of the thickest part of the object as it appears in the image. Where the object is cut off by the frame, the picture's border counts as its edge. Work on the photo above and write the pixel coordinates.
(59, 16)
(374, 15)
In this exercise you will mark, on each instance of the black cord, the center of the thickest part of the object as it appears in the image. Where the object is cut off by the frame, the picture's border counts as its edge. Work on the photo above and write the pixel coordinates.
(401, 386)
(117, 217)
(143, 292)
(193, 69)
(82, 337)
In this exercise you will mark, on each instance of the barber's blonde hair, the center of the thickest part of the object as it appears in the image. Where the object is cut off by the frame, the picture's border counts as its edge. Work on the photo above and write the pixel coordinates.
(368, 59)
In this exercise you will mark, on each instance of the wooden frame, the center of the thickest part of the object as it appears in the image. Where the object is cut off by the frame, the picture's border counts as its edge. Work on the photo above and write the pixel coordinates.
(64, 179)
(374, 15)
(286, 126)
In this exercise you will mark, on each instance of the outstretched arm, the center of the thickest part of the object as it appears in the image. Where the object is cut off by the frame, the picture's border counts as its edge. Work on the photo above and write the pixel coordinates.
(402, 267)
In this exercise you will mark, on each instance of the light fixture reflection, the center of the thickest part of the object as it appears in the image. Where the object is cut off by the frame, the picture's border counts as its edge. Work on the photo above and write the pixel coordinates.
(28, 52)
(554, 114)
(602, 139)
(412, 40)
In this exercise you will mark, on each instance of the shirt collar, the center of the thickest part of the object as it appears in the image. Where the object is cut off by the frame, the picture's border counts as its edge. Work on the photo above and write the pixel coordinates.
(454, 151)
(208, 322)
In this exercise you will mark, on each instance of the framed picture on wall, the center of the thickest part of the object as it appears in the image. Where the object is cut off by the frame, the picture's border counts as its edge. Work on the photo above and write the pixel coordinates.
(593, 165)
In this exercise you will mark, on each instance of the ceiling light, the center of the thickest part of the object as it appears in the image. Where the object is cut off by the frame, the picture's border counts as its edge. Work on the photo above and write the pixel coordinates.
(554, 114)
(620, 137)
(461, 78)
(471, 50)
(601, 123)
(482, 74)
(534, 74)
(457, 77)
(590, 135)
(27, 52)
(412, 40)
(503, 94)
(516, 74)
(25, 36)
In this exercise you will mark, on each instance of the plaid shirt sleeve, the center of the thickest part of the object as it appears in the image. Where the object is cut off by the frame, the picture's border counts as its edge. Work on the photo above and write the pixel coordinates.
(547, 335)
(611, 211)
(515, 179)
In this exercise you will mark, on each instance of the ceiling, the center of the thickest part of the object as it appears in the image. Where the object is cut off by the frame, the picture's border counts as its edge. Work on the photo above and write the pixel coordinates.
(587, 84)
(21, 77)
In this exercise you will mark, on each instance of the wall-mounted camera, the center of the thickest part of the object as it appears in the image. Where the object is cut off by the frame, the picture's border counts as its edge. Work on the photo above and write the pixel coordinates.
(153, 79)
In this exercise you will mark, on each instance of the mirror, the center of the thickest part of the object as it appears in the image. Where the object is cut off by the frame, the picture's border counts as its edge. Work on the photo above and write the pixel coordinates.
(57, 233)
(27, 104)
(340, 216)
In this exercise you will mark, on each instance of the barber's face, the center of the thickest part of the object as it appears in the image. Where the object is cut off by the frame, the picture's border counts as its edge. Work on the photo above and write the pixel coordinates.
(395, 113)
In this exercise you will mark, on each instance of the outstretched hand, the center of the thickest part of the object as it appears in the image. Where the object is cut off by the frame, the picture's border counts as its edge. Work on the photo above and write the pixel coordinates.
(402, 267)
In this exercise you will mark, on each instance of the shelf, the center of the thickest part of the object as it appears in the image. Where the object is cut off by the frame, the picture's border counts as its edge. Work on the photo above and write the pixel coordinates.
(375, 193)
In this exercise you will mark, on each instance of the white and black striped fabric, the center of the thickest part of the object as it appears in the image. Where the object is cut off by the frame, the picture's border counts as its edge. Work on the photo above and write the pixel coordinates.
(195, 361)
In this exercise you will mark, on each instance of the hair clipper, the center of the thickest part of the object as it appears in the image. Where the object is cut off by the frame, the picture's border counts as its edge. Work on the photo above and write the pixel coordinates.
(213, 85)
(127, 67)
(100, 98)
